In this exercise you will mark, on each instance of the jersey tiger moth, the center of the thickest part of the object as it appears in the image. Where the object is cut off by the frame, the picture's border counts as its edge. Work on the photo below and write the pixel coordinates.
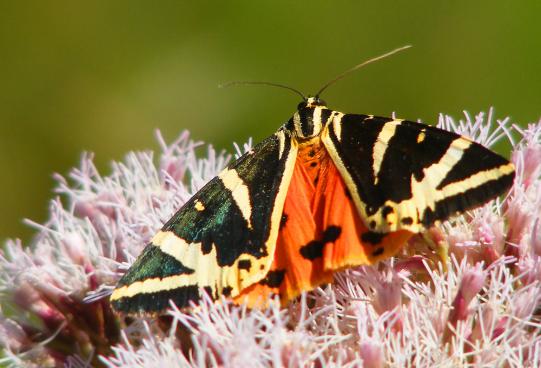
(327, 191)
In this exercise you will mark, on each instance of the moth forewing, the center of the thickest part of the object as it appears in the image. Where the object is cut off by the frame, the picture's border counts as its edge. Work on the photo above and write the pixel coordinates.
(221, 241)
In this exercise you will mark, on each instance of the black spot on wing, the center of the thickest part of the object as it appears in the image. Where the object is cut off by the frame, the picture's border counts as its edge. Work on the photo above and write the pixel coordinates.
(387, 211)
(312, 250)
(157, 301)
(208, 290)
(331, 234)
(407, 221)
(153, 263)
(206, 244)
(226, 291)
(283, 220)
(274, 278)
(222, 225)
(245, 264)
(476, 158)
(372, 237)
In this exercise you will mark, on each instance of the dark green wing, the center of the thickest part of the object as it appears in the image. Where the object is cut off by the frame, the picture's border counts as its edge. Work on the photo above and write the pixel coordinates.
(222, 240)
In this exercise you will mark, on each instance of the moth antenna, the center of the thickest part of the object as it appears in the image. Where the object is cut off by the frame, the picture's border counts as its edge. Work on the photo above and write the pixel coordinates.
(358, 66)
(238, 83)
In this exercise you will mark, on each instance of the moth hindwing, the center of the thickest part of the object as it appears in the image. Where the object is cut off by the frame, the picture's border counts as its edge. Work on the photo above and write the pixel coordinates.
(327, 191)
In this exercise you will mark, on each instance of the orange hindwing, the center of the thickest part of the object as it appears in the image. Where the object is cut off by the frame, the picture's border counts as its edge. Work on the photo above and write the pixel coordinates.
(321, 232)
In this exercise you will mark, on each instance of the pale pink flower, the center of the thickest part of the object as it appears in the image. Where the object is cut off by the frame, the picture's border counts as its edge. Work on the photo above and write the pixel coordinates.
(96, 231)
(471, 284)
(479, 309)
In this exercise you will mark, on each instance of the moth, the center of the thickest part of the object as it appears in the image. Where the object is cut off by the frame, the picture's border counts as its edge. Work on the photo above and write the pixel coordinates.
(326, 192)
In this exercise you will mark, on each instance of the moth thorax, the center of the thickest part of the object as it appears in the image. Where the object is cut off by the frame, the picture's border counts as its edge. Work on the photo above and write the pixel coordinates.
(307, 122)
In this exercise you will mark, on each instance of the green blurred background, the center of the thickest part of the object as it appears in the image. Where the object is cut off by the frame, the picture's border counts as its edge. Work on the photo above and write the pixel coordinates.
(102, 75)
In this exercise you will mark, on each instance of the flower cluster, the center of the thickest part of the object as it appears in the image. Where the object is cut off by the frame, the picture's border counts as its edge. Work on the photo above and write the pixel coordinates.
(466, 293)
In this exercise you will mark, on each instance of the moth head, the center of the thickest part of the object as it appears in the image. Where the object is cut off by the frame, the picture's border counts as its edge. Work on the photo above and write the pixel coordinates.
(312, 102)
(307, 121)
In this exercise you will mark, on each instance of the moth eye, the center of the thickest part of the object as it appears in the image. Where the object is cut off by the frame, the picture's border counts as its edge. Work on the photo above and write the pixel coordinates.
(321, 102)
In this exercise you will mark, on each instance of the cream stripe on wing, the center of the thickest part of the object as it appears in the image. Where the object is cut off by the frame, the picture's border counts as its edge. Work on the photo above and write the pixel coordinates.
(297, 122)
(436, 172)
(316, 120)
(476, 180)
(337, 125)
(424, 194)
(422, 201)
(207, 271)
(153, 285)
(381, 145)
(282, 142)
(239, 191)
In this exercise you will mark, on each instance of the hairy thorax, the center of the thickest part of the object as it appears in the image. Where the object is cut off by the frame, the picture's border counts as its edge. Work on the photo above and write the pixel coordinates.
(314, 158)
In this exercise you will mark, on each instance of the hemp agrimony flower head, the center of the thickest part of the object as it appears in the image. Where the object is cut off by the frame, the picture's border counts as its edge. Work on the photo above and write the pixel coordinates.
(480, 308)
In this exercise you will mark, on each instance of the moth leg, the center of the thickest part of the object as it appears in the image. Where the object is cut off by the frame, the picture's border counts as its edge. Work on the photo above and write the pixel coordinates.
(438, 245)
